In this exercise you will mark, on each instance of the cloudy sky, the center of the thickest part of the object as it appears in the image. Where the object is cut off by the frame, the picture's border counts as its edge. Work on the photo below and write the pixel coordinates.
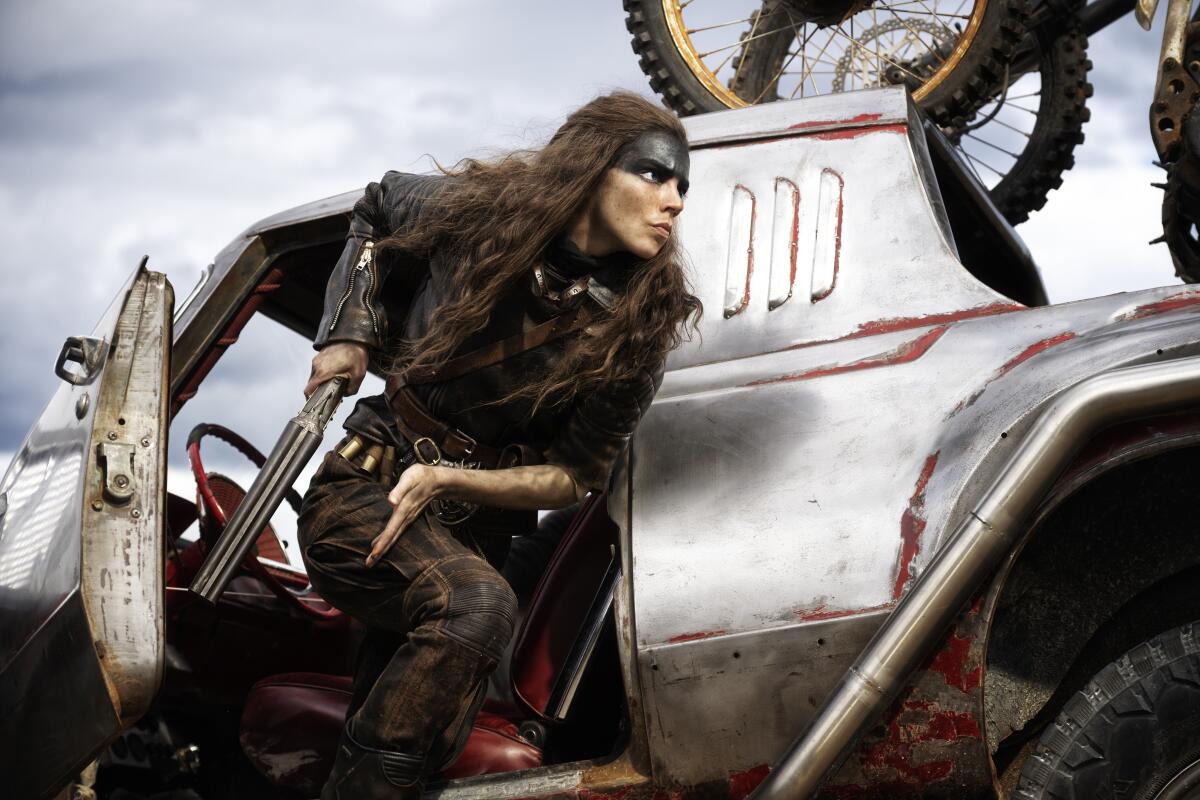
(167, 126)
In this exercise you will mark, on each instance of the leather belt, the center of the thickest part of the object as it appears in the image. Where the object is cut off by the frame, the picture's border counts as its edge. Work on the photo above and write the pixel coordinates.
(432, 440)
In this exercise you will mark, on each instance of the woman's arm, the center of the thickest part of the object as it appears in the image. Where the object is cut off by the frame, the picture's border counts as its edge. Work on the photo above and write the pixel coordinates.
(542, 486)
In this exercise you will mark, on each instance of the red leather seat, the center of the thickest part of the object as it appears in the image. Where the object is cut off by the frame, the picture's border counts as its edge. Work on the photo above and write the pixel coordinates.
(291, 723)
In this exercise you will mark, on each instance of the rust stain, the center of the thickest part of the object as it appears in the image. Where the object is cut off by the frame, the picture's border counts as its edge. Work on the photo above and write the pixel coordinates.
(741, 784)
(860, 119)
(854, 133)
(1008, 366)
(912, 525)
(904, 354)
(951, 663)
(691, 637)
(820, 612)
(1160, 306)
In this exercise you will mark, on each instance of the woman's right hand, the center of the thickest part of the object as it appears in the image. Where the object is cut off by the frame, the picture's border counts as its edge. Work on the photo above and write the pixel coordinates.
(340, 358)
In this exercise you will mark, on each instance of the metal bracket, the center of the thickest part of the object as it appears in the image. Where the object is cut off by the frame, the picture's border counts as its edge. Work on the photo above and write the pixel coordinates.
(116, 459)
(85, 351)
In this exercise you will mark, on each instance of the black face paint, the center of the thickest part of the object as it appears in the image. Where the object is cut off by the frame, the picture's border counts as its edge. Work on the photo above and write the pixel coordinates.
(657, 152)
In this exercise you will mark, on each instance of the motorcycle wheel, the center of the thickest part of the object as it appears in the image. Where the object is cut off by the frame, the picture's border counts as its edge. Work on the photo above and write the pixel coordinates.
(1132, 732)
(1024, 140)
(951, 53)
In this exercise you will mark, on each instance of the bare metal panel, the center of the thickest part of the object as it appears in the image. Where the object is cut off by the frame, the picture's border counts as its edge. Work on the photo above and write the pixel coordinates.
(125, 504)
(80, 589)
(807, 453)
(737, 700)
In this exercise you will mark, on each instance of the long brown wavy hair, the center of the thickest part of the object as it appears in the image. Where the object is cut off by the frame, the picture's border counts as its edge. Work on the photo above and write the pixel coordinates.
(497, 217)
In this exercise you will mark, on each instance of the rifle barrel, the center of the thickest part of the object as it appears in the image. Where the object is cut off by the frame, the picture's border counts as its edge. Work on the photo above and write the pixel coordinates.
(300, 439)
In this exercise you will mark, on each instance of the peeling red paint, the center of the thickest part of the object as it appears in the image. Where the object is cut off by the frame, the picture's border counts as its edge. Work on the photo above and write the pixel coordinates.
(951, 662)
(1033, 350)
(942, 725)
(691, 637)
(894, 324)
(860, 119)
(745, 300)
(741, 784)
(904, 354)
(820, 612)
(912, 525)
(1020, 358)
(837, 236)
(794, 247)
(854, 133)
(1166, 304)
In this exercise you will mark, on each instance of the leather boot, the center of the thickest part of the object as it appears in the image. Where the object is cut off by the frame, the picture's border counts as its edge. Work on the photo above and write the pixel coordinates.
(368, 773)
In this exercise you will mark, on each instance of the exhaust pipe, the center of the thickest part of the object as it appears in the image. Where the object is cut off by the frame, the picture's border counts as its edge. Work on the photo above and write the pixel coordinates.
(969, 558)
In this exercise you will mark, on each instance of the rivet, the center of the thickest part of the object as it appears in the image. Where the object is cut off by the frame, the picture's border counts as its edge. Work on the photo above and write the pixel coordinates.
(97, 505)
(81, 405)
(145, 441)
(112, 436)
(121, 481)
(136, 513)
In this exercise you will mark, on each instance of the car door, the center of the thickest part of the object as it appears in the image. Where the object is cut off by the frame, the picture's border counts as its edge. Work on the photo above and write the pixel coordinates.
(81, 548)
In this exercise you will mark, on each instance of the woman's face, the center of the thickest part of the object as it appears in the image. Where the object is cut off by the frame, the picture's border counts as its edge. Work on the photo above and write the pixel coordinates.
(639, 198)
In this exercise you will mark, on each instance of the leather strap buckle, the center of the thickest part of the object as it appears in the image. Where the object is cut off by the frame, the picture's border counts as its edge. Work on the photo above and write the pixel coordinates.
(422, 457)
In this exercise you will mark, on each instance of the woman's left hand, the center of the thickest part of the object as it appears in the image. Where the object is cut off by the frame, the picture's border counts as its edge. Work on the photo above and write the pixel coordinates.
(417, 486)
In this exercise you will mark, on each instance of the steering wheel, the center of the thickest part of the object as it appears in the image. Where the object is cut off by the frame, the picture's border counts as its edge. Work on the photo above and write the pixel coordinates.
(217, 496)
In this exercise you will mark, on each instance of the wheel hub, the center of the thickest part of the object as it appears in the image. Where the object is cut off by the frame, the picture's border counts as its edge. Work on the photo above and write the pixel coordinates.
(824, 12)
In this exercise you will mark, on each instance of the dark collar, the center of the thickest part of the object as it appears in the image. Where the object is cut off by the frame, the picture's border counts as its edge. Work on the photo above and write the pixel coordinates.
(609, 274)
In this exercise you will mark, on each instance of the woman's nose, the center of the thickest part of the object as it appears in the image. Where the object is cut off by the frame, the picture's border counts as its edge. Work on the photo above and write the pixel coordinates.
(673, 201)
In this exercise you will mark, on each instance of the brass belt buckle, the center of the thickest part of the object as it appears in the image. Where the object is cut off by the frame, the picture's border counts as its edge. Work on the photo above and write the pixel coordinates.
(429, 461)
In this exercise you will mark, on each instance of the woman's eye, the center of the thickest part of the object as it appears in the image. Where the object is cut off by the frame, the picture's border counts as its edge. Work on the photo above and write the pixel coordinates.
(651, 175)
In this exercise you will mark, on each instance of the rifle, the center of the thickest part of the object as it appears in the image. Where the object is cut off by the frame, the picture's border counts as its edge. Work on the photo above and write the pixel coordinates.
(300, 439)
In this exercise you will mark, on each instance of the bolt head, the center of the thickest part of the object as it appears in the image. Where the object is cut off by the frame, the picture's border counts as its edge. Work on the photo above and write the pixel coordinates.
(136, 513)
(145, 441)
(97, 505)
(121, 481)
(112, 436)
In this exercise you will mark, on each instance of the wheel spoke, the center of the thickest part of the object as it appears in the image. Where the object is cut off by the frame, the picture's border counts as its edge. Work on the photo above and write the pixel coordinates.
(1010, 127)
(993, 146)
(690, 31)
(982, 164)
(741, 42)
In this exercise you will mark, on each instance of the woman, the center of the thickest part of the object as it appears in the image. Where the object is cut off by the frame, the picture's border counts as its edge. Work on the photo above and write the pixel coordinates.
(546, 291)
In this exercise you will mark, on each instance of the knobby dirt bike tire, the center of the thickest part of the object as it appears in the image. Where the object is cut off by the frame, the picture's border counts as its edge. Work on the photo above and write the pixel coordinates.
(950, 97)
(1058, 130)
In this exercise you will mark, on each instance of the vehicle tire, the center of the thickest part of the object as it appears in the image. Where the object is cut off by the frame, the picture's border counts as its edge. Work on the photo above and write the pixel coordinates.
(1053, 129)
(965, 78)
(1133, 733)
(1181, 223)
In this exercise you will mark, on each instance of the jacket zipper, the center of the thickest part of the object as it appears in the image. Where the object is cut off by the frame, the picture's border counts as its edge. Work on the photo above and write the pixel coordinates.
(365, 263)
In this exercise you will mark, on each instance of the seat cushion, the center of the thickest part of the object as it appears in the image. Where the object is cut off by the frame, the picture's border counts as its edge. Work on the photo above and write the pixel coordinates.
(291, 724)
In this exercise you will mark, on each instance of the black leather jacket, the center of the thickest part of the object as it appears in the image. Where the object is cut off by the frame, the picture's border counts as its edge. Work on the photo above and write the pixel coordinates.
(584, 438)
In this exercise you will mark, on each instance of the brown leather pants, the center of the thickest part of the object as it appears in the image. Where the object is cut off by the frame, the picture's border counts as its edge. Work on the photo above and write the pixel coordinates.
(438, 613)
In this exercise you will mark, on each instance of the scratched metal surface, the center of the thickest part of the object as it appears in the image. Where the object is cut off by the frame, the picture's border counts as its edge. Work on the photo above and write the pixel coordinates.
(805, 455)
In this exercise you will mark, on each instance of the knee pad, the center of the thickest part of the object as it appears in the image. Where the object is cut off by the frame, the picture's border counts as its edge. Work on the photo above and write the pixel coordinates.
(474, 605)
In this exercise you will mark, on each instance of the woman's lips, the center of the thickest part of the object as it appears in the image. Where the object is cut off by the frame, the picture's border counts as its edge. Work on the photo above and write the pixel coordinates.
(663, 229)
